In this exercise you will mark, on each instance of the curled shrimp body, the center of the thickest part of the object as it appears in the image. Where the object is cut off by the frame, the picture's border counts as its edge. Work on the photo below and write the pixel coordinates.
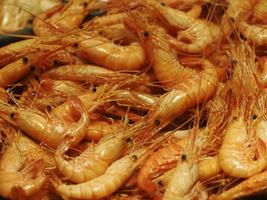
(198, 37)
(236, 12)
(99, 129)
(102, 186)
(252, 185)
(50, 93)
(254, 33)
(22, 167)
(104, 52)
(61, 18)
(186, 95)
(163, 159)
(91, 163)
(50, 131)
(233, 158)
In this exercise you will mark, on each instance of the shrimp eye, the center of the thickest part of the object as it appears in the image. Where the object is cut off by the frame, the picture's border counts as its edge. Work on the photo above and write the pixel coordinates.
(49, 108)
(25, 60)
(184, 157)
(81, 26)
(235, 118)
(146, 33)
(128, 139)
(161, 183)
(157, 122)
(37, 78)
(75, 45)
(12, 115)
(94, 89)
(85, 4)
(134, 157)
(163, 4)
(65, 1)
(254, 117)
(32, 68)
(232, 19)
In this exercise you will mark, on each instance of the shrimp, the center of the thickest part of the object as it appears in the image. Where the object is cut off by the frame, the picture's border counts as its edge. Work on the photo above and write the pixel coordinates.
(255, 33)
(252, 185)
(83, 72)
(50, 131)
(237, 11)
(163, 159)
(261, 71)
(108, 149)
(105, 52)
(260, 11)
(199, 36)
(15, 71)
(50, 93)
(233, 157)
(61, 18)
(102, 186)
(99, 129)
(22, 167)
(182, 181)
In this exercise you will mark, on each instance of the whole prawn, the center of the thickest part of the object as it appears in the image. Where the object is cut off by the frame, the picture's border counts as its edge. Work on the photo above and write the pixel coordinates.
(113, 178)
(22, 166)
(50, 131)
(234, 159)
(107, 150)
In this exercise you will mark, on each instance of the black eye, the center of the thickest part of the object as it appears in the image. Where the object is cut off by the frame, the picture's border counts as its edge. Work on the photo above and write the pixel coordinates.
(184, 157)
(235, 118)
(128, 139)
(161, 183)
(85, 4)
(49, 108)
(75, 45)
(157, 122)
(25, 60)
(146, 34)
(134, 157)
(32, 68)
(94, 88)
(12, 115)
(232, 19)
(163, 4)
(254, 117)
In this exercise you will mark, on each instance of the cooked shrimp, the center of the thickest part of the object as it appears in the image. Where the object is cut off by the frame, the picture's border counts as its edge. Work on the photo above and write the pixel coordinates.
(83, 167)
(22, 167)
(237, 11)
(50, 93)
(50, 131)
(162, 160)
(16, 70)
(260, 11)
(252, 185)
(99, 129)
(102, 186)
(254, 33)
(234, 159)
(105, 52)
(186, 95)
(182, 181)
(85, 72)
(61, 18)
(198, 37)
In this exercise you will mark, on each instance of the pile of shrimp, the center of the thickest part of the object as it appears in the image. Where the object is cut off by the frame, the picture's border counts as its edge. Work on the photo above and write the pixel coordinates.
(149, 100)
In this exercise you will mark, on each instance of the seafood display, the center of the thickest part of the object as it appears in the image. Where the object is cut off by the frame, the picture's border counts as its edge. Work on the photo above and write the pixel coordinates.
(148, 99)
